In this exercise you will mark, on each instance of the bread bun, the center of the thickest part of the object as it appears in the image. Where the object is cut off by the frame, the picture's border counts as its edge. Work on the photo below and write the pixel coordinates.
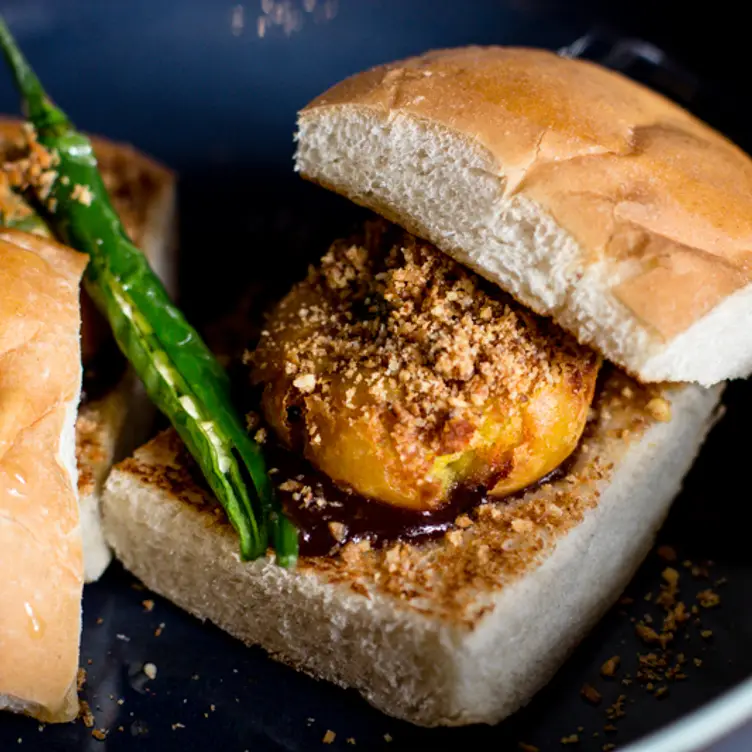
(460, 630)
(41, 554)
(120, 417)
(588, 197)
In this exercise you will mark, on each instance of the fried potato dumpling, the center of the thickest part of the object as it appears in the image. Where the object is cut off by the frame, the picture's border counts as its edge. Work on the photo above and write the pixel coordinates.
(401, 375)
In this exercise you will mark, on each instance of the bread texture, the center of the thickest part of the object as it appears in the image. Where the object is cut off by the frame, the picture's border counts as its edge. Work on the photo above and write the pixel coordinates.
(119, 418)
(588, 197)
(41, 555)
(467, 627)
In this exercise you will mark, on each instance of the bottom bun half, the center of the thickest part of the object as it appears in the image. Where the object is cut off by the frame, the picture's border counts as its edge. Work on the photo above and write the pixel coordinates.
(467, 628)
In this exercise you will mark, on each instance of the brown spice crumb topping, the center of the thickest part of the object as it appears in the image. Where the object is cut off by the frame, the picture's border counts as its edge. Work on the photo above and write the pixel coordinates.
(81, 193)
(708, 599)
(388, 327)
(660, 409)
(329, 737)
(131, 180)
(591, 694)
(610, 666)
(667, 553)
(85, 714)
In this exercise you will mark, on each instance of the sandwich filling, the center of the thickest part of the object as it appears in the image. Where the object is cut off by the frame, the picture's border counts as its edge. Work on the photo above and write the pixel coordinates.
(407, 381)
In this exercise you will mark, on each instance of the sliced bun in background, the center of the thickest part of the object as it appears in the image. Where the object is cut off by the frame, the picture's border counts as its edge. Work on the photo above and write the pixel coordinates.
(41, 554)
(116, 416)
(588, 197)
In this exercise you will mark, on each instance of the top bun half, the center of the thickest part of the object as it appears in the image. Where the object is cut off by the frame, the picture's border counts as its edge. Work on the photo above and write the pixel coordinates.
(586, 196)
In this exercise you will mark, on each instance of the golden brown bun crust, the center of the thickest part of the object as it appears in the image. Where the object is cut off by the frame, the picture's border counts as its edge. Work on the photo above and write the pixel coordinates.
(626, 172)
(41, 566)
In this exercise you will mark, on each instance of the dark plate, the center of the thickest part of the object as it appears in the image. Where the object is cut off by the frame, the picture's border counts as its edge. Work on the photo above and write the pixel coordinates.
(218, 103)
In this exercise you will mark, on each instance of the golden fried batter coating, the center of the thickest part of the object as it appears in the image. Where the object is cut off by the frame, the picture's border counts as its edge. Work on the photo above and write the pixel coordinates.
(400, 374)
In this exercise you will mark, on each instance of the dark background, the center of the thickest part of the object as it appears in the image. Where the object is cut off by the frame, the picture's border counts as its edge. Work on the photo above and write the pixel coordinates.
(171, 77)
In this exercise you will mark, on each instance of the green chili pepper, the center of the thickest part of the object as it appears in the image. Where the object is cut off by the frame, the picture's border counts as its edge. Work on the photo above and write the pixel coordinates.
(180, 374)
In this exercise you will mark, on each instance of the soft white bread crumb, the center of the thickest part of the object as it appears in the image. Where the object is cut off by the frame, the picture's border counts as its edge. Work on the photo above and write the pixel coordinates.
(463, 631)
(589, 198)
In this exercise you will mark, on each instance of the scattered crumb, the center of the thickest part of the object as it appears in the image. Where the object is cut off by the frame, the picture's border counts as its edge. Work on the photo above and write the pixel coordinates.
(571, 739)
(306, 383)
(80, 679)
(158, 630)
(351, 741)
(82, 194)
(387, 738)
(528, 747)
(329, 737)
(338, 531)
(99, 734)
(659, 409)
(523, 526)
(176, 726)
(708, 599)
(706, 634)
(85, 714)
(608, 747)
(454, 537)
(661, 692)
(591, 694)
(667, 553)
(150, 670)
(671, 577)
(100, 620)
(610, 666)
(647, 634)
(698, 662)
(121, 701)
(148, 605)
(617, 709)
(260, 436)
